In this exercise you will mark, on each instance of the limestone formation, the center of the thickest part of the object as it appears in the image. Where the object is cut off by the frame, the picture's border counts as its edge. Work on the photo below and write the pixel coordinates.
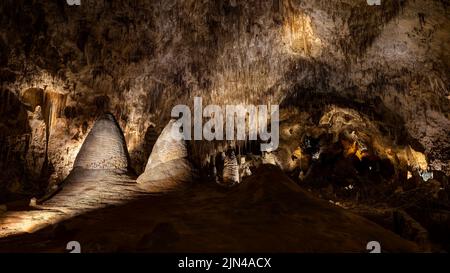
(230, 169)
(363, 93)
(168, 167)
(36, 154)
(394, 56)
(104, 147)
(85, 190)
(101, 173)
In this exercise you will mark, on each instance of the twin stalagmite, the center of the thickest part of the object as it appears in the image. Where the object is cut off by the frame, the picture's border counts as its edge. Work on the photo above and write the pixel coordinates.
(102, 172)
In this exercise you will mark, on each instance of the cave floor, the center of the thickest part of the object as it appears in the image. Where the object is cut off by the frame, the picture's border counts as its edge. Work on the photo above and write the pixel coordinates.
(268, 212)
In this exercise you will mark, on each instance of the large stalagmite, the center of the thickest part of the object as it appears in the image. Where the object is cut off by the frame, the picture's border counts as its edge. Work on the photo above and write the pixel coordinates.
(104, 147)
(167, 167)
(101, 174)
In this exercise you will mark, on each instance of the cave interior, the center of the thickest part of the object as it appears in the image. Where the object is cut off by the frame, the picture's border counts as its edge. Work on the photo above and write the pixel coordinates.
(86, 99)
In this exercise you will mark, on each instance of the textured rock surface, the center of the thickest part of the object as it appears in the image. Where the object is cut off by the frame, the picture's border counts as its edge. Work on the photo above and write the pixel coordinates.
(36, 156)
(368, 87)
(100, 176)
(85, 190)
(137, 59)
(168, 167)
(230, 169)
(104, 147)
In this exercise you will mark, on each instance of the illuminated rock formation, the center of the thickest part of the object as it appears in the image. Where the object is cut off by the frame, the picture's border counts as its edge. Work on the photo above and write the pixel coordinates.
(168, 167)
(249, 51)
(363, 91)
(104, 147)
(101, 172)
(230, 169)
(36, 154)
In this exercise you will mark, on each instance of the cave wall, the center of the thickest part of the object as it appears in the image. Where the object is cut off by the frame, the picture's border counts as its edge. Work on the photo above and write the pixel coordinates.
(62, 66)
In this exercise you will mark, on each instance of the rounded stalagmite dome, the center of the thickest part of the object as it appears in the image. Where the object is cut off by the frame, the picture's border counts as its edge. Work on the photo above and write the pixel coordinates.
(168, 167)
(104, 147)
